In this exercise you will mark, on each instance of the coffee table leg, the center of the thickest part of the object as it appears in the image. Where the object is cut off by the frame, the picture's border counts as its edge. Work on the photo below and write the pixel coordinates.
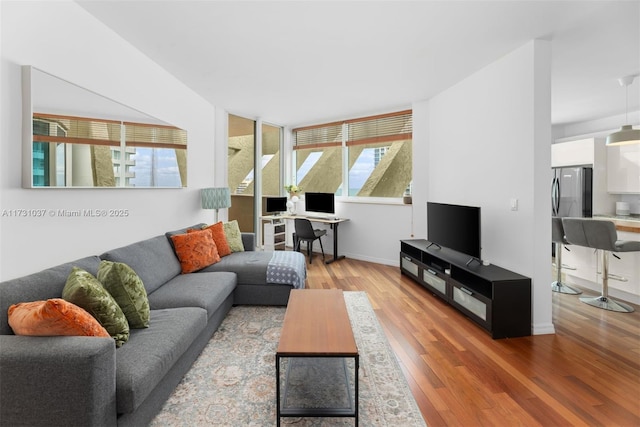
(278, 390)
(357, 386)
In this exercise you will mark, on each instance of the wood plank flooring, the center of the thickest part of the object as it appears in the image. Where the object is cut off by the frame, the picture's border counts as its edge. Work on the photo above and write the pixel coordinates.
(588, 373)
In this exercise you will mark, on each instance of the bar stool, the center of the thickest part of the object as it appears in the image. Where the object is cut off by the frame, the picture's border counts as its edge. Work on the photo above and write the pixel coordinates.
(557, 237)
(600, 235)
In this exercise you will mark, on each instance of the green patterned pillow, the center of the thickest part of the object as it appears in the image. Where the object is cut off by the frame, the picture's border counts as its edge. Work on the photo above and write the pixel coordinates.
(233, 235)
(126, 287)
(84, 290)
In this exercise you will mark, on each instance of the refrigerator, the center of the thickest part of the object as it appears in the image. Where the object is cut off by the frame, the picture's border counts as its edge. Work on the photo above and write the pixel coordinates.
(572, 192)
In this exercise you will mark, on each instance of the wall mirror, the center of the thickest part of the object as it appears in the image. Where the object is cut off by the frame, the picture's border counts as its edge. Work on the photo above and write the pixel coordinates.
(74, 137)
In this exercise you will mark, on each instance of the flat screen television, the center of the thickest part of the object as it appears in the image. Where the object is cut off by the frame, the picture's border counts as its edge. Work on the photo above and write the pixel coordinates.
(455, 227)
(276, 205)
(319, 202)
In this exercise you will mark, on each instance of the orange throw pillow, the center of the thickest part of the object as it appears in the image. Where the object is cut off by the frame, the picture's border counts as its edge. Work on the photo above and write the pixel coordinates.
(53, 317)
(220, 239)
(195, 250)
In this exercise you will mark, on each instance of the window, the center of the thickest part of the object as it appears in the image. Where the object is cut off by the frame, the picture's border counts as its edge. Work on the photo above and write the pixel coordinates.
(378, 152)
(318, 158)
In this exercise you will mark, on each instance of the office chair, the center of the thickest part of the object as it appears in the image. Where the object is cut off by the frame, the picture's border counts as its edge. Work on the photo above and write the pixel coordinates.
(306, 233)
(557, 237)
(600, 235)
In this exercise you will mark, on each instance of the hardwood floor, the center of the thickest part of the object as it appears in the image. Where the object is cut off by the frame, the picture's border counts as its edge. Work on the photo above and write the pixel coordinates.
(588, 373)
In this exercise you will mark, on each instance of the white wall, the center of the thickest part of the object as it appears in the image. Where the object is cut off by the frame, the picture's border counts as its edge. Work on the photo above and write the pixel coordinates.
(63, 39)
(487, 141)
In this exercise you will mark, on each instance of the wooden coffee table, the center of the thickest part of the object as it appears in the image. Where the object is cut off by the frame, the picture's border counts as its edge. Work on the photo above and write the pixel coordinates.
(316, 325)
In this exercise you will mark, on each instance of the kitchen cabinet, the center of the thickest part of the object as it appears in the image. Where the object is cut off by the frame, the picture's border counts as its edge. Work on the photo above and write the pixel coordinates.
(623, 169)
(573, 153)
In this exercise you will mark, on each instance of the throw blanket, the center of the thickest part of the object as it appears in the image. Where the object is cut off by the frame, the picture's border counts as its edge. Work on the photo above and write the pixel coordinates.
(287, 267)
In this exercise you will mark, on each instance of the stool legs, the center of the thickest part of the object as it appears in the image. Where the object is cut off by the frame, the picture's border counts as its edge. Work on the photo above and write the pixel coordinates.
(558, 286)
(603, 301)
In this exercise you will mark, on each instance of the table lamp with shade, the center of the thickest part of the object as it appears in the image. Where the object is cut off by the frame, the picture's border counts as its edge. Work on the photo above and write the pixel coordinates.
(216, 198)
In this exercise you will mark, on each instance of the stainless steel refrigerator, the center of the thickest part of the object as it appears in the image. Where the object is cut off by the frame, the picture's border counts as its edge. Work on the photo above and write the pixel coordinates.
(572, 192)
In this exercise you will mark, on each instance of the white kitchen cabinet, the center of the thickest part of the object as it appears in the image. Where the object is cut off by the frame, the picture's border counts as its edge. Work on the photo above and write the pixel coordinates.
(623, 169)
(573, 153)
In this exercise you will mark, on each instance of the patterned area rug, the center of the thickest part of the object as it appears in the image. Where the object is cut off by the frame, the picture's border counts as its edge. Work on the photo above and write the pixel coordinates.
(232, 383)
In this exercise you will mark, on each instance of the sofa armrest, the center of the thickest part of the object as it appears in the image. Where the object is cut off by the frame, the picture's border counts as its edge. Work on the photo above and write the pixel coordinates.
(249, 241)
(63, 380)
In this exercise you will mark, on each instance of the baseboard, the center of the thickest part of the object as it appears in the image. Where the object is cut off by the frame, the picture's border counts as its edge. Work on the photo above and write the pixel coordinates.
(392, 263)
(543, 329)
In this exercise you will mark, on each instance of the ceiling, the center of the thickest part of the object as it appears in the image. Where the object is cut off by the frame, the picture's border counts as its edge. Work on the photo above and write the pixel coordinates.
(300, 62)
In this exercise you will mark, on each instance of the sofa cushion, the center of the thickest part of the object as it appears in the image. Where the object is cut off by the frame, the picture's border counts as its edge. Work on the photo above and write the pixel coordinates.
(249, 266)
(233, 235)
(43, 285)
(152, 352)
(195, 250)
(168, 234)
(220, 239)
(204, 290)
(53, 317)
(84, 290)
(152, 259)
(126, 287)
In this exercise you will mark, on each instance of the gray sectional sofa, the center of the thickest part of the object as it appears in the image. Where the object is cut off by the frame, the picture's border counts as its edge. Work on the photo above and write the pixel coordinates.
(86, 381)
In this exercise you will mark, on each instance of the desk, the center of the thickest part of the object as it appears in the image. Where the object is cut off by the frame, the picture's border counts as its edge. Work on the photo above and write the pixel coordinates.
(333, 224)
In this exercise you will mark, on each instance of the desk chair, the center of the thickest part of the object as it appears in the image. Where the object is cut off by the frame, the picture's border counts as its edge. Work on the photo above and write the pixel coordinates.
(557, 237)
(600, 235)
(306, 233)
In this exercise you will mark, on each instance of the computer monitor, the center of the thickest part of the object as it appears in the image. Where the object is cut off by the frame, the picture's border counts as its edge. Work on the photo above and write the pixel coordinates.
(319, 202)
(276, 205)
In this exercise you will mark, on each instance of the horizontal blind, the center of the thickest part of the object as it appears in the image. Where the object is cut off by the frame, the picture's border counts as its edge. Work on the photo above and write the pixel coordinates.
(85, 130)
(156, 136)
(381, 128)
(76, 130)
(325, 135)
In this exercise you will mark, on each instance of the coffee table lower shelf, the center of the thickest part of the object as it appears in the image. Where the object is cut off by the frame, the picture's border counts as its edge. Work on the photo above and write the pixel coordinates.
(316, 386)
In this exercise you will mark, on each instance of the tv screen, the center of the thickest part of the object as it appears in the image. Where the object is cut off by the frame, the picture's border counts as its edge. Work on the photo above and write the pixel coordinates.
(455, 227)
(276, 204)
(319, 202)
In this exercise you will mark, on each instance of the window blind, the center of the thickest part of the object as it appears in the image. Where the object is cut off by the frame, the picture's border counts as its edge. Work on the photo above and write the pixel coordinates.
(365, 130)
(381, 128)
(324, 135)
(85, 130)
(78, 130)
(156, 136)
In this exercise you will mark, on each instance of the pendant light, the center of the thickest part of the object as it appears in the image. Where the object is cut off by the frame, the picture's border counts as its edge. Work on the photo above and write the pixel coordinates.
(627, 134)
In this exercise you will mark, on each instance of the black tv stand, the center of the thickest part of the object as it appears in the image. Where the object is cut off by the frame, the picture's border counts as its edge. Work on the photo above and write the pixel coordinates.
(496, 299)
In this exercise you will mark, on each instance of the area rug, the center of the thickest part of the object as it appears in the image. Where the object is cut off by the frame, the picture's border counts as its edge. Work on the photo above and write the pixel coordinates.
(232, 383)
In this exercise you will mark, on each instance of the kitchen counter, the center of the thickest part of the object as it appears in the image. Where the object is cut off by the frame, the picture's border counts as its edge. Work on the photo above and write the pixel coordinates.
(629, 223)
